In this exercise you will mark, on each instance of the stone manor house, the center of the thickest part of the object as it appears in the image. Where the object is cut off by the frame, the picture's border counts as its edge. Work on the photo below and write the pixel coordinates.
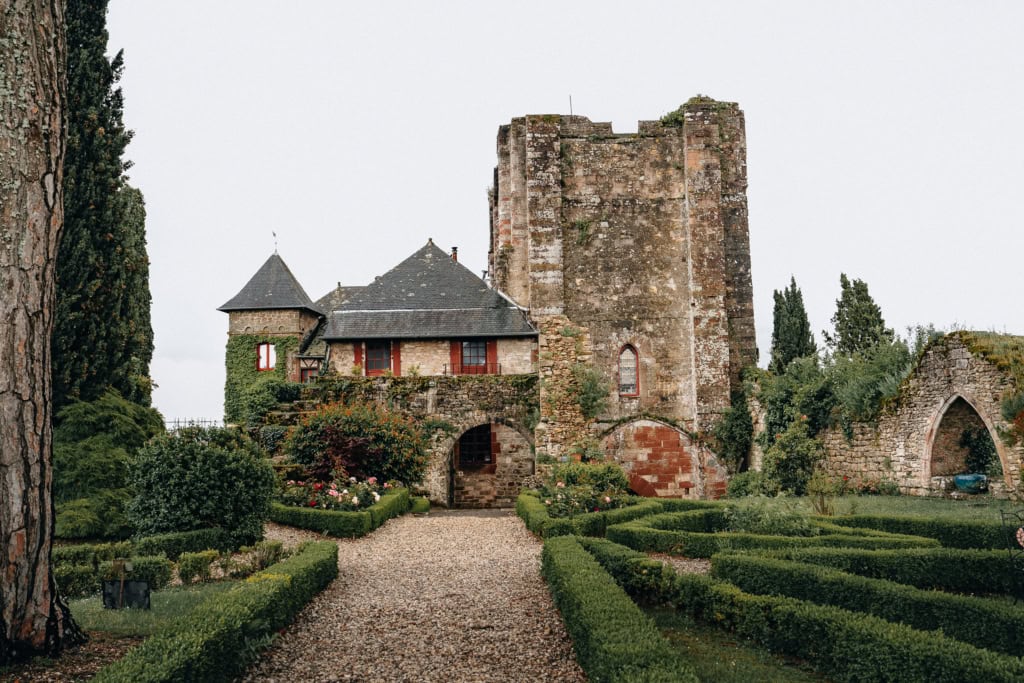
(620, 257)
(624, 254)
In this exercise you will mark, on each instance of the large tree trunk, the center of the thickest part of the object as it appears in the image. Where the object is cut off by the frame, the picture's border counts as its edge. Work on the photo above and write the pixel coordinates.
(32, 100)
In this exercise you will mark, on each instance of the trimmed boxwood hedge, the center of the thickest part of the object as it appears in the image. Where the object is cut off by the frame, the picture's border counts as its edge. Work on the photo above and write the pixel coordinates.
(177, 542)
(613, 639)
(951, 533)
(343, 524)
(844, 645)
(948, 569)
(90, 553)
(534, 514)
(221, 636)
(78, 580)
(685, 533)
(990, 624)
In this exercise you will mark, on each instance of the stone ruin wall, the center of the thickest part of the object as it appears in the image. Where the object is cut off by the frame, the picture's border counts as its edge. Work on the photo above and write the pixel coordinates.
(898, 447)
(641, 239)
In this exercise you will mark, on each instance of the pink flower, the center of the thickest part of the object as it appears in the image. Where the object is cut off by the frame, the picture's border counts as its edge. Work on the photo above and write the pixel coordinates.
(607, 499)
(387, 484)
(560, 485)
(371, 480)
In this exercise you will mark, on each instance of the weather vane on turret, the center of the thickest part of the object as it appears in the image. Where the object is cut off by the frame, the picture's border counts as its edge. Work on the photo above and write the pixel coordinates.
(275, 240)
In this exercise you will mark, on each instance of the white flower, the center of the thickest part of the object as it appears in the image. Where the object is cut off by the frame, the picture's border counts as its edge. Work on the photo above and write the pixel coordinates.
(376, 496)
(355, 500)
(352, 479)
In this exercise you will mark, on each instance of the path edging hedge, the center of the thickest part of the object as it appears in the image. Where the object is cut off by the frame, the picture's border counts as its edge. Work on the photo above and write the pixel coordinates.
(343, 524)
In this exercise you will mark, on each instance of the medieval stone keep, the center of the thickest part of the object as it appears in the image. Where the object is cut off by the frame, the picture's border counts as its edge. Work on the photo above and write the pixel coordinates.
(618, 313)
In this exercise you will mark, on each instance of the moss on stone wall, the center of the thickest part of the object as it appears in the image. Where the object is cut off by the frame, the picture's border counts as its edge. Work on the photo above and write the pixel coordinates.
(241, 372)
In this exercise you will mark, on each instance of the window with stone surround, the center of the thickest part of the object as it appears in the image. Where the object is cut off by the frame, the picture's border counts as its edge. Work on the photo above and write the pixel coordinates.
(629, 381)
(266, 356)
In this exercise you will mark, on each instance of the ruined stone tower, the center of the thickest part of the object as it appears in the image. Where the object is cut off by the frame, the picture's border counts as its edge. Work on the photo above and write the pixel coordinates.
(637, 244)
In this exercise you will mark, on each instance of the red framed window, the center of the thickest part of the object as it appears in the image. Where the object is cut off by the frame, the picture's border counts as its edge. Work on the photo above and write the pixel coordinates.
(266, 357)
(378, 357)
(474, 357)
(629, 365)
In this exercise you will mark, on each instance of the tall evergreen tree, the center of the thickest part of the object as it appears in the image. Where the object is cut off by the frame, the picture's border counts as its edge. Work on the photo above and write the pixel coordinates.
(858, 320)
(102, 335)
(791, 334)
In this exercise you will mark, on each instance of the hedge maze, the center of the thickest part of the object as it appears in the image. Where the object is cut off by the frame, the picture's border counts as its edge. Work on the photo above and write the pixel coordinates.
(861, 599)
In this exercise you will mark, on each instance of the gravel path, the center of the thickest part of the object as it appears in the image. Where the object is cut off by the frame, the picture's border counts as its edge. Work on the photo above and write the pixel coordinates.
(451, 596)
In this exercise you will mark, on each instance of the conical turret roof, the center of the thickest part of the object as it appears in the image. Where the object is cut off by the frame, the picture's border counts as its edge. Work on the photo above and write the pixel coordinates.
(273, 286)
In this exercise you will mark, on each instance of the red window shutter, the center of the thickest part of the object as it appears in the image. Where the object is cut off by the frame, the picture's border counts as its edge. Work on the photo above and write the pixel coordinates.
(357, 353)
(396, 358)
(455, 357)
(492, 356)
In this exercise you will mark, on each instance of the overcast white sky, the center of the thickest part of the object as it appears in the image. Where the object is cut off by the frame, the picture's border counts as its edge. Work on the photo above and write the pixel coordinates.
(884, 141)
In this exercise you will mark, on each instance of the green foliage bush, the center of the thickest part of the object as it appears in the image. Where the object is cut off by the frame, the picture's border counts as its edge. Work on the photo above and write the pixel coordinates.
(534, 514)
(790, 461)
(263, 395)
(420, 505)
(982, 457)
(91, 553)
(76, 580)
(271, 438)
(953, 570)
(197, 478)
(93, 443)
(749, 483)
(864, 380)
(613, 639)
(985, 623)
(343, 524)
(155, 569)
(770, 516)
(734, 434)
(218, 639)
(591, 390)
(175, 543)
(362, 440)
(952, 533)
(196, 565)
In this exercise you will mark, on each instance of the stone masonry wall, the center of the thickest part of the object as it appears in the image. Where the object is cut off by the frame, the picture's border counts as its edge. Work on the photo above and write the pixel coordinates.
(271, 321)
(499, 484)
(642, 239)
(901, 446)
(562, 347)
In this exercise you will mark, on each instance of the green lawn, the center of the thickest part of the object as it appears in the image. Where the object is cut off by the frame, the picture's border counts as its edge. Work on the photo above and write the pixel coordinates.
(166, 605)
(977, 507)
(717, 656)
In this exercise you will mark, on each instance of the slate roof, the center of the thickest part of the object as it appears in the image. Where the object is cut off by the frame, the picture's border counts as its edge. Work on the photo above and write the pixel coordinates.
(273, 286)
(336, 297)
(427, 296)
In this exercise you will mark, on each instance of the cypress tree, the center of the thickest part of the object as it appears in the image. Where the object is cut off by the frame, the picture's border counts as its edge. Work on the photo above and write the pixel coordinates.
(791, 333)
(102, 333)
(858, 320)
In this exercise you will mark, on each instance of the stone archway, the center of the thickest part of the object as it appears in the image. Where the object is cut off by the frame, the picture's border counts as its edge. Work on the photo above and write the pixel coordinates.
(663, 460)
(944, 454)
(487, 464)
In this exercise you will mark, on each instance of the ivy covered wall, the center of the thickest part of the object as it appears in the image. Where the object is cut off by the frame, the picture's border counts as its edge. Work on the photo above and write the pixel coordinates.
(242, 375)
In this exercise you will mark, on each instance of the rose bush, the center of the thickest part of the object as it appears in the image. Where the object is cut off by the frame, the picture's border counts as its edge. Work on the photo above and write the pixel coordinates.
(341, 494)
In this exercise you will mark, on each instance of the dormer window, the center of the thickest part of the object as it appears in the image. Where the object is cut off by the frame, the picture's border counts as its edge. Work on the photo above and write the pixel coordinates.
(266, 357)
(629, 384)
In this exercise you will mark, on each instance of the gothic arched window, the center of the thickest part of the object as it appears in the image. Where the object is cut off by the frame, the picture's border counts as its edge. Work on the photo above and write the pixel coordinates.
(629, 364)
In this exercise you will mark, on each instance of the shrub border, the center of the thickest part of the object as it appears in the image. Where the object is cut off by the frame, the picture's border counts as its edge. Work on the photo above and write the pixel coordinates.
(844, 645)
(985, 623)
(951, 533)
(614, 641)
(343, 524)
(220, 637)
(535, 515)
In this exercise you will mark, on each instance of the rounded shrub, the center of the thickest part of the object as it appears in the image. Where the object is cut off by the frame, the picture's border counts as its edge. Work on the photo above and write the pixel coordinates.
(360, 440)
(197, 478)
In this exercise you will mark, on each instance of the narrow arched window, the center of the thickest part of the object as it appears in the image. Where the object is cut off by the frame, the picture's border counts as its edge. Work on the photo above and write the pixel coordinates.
(629, 384)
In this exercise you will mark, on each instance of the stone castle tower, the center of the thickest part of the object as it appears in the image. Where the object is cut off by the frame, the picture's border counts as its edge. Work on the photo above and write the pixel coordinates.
(636, 245)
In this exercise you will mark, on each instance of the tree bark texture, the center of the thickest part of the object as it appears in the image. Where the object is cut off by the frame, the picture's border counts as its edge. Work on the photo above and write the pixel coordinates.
(32, 101)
